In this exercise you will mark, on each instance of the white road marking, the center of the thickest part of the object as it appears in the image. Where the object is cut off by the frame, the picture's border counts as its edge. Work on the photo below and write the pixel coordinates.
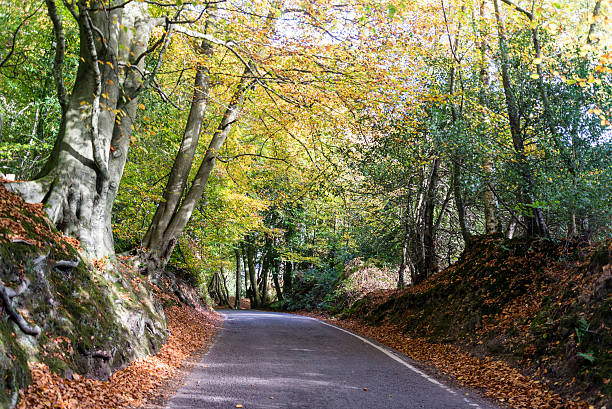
(398, 359)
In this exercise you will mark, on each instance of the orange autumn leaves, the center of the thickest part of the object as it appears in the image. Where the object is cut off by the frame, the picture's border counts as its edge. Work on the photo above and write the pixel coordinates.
(497, 379)
(191, 330)
(26, 223)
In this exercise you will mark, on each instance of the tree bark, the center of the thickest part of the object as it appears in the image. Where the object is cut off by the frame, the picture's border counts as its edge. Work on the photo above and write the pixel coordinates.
(277, 286)
(287, 277)
(250, 253)
(401, 273)
(455, 180)
(78, 183)
(533, 217)
(238, 297)
(266, 263)
(427, 264)
(491, 210)
(179, 174)
(160, 247)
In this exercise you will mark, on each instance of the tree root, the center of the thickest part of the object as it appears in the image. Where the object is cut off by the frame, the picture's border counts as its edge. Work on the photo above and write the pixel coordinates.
(7, 293)
(66, 264)
(176, 289)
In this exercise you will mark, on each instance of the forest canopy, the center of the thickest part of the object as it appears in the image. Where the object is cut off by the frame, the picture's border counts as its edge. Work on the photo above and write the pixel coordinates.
(283, 136)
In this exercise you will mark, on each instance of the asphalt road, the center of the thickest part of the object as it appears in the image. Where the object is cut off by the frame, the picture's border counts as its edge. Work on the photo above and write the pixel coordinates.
(273, 360)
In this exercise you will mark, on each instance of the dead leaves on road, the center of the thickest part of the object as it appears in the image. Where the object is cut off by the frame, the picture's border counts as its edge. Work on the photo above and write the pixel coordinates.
(191, 330)
(497, 379)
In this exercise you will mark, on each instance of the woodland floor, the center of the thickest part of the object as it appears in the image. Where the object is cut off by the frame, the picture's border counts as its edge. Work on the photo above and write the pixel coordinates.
(144, 383)
(496, 379)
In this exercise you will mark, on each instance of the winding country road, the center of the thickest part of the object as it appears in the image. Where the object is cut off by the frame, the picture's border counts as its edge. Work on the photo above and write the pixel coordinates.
(273, 360)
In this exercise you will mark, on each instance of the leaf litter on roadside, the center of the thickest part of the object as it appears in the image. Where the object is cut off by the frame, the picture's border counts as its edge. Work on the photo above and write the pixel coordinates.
(190, 330)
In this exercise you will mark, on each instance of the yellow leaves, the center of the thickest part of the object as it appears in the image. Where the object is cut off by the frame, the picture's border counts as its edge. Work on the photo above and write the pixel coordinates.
(535, 76)
(537, 61)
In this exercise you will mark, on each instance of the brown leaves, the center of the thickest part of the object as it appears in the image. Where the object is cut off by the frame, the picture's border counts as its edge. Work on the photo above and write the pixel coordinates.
(191, 330)
(497, 379)
(27, 223)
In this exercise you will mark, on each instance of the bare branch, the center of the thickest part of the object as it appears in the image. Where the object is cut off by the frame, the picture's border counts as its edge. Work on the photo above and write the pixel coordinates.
(14, 40)
(519, 8)
(226, 159)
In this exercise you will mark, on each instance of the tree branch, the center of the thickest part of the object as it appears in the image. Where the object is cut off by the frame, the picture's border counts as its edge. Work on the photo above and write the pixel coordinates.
(14, 40)
(227, 159)
(87, 26)
(60, 50)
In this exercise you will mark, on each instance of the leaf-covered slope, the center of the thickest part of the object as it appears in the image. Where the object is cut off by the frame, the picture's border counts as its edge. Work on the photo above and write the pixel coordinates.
(541, 305)
(93, 318)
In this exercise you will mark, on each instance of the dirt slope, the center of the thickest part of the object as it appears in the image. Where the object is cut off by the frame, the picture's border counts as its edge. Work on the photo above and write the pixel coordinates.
(61, 311)
(540, 305)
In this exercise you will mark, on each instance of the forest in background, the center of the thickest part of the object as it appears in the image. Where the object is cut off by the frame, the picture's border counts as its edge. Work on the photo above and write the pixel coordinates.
(386, 131)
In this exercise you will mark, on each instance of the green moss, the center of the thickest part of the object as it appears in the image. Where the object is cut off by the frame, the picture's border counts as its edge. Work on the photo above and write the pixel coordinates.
(14, 371)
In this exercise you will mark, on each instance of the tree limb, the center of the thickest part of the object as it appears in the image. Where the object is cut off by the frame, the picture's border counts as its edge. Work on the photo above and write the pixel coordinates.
(14, 40)
(60, 50)
(87, 25)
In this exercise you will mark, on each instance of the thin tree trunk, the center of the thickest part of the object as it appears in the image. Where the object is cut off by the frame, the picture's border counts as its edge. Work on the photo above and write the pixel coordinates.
(455, 180)
(238, 297)
(491, 210)
(489, 200)
(401, 273)
(250, 253)
(287, 277)
(534, 218)
(275, 271)
(265, 271)
(225, 290)
(511, 228)
(428, 253)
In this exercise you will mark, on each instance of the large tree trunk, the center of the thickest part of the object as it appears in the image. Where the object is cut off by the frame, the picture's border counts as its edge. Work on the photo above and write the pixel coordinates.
(79, 182)
(177, 179)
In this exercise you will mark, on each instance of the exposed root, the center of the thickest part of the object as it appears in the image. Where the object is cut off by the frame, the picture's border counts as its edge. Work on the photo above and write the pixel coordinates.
(32, 191)
(66, 264)
(7, 294)
(176, 289)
